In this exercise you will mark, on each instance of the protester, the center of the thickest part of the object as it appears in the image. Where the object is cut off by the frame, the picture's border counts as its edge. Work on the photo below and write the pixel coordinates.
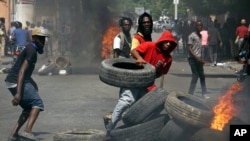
(204, 43)
(2, 41)
(21, 38)
(244, 54)
(122, 41)
(186, 31)
(24, 89)
(156, 53)
(195, 60)
(214, 42)
(241, 32)
(144, 30)
(143, 34)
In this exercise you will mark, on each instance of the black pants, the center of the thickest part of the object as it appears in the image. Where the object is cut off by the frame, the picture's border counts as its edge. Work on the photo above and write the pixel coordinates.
(197, 72)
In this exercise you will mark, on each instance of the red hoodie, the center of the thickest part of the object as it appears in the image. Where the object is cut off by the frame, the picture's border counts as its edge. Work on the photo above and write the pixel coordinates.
(151, 53)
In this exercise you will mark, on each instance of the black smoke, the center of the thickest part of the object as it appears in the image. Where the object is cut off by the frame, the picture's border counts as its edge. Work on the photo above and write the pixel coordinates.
(79, 24)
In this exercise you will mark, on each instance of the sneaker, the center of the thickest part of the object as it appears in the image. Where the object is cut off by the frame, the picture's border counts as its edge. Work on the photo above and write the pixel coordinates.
(29, 136)
(107, 119)
(205, 96)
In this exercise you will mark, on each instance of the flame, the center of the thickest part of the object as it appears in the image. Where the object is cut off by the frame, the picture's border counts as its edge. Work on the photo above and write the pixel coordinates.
(225, 109)
(107, 40)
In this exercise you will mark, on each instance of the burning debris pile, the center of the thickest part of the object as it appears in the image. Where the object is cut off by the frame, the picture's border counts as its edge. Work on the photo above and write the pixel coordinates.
(107, 40)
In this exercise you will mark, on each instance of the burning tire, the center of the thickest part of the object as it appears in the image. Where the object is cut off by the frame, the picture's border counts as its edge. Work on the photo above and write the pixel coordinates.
(148, 131)
(204, 134)
(149, 105)
(77, 134)
(123, 72)
(188, 109)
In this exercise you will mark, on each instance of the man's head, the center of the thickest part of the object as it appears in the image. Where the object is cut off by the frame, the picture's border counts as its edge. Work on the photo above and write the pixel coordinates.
(198, 26)
(18, 24)
(166, 42)
(243, 21)
(145, 25)
(38, 37)
(125, 23)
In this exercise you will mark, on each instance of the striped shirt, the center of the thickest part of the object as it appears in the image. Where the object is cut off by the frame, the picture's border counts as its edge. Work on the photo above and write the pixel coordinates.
(195, 41)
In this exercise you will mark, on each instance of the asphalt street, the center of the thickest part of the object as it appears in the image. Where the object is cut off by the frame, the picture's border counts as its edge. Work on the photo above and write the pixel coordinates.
(80, 100)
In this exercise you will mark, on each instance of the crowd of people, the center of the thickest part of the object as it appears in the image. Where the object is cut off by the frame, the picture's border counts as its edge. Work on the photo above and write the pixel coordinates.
(16, 35)
(221, 42)
(202, 43)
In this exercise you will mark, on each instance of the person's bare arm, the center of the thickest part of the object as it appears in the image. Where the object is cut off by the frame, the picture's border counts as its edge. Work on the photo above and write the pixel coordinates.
(20, 78)
(139, 60)
(196, 57)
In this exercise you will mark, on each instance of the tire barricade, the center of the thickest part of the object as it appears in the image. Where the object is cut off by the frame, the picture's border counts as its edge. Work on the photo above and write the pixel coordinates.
(158, 115)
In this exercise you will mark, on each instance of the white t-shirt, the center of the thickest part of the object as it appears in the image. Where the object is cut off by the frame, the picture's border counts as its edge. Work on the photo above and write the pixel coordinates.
(117, 42)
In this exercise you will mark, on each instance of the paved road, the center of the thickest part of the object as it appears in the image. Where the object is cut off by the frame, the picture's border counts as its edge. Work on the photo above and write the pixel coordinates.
(80, 100)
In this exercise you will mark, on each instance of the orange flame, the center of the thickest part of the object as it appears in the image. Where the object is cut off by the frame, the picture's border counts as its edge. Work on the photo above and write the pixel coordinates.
(107, 40)
(225, 109)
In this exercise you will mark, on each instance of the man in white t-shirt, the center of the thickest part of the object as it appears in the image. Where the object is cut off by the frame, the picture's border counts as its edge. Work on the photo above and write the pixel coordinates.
(122, 41)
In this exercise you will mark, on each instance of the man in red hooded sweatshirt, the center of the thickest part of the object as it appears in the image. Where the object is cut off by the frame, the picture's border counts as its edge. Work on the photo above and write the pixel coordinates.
(157, 54)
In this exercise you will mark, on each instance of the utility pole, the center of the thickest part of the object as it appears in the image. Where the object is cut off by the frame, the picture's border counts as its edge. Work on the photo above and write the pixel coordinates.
(176, 2)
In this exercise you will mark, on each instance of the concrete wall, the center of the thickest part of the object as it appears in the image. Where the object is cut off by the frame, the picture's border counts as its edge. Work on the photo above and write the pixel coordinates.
(24, 12)
(4, 12)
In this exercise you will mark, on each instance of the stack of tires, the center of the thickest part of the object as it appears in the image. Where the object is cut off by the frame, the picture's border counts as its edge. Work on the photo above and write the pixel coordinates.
(191, 117)
(58, 66)
(158, 115)
(143, 121)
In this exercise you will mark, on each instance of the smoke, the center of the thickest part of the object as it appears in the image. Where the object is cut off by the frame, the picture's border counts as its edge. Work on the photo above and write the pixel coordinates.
(78, 25)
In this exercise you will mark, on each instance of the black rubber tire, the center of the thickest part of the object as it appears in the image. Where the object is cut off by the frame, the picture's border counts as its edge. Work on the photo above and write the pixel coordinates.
(207, 134)
(171, 132)
(79, 135)
(123, 72)
(62, 62)
(189, 109)
(148, 131)
(47, 70)
(152, 102)
(176, 131)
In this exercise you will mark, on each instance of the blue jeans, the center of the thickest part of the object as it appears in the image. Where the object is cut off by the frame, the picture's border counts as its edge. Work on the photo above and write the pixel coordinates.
(240, 42)
(197, 72)
(128, 96)
(29, 98)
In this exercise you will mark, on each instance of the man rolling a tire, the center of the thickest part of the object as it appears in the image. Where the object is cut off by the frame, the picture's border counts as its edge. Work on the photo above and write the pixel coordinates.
(157, 54)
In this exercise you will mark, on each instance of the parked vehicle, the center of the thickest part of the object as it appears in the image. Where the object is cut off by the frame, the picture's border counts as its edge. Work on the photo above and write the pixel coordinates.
(162, 25)
(157, 27)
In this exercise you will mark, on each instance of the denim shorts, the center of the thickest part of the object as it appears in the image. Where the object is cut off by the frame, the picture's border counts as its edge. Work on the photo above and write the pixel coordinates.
(30, 98)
